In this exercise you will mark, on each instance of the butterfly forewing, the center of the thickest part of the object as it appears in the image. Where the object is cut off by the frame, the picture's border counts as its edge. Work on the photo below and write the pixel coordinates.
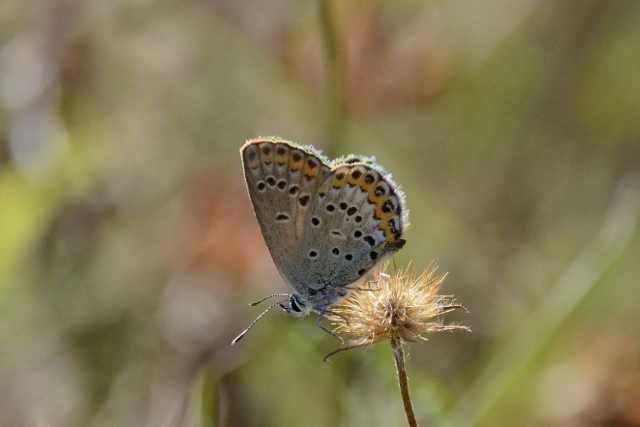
(282, 179)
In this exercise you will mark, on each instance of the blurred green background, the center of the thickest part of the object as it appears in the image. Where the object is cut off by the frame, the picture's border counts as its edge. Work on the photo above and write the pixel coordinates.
(129, 251)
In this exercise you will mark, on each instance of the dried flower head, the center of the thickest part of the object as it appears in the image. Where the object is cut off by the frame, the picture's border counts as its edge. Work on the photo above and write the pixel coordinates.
(399, 307)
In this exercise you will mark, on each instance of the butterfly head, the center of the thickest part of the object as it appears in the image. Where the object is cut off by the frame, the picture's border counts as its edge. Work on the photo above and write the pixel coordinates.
(297, 307)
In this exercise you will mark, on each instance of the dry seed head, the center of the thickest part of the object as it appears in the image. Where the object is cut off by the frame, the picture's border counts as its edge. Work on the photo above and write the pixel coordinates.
(399, 306)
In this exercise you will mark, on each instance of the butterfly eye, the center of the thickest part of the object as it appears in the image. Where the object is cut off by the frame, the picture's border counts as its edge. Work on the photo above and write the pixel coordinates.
(293, 305)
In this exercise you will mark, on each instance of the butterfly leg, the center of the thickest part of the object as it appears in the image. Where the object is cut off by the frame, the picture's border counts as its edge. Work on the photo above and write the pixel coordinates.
(369, 288)
(318, 322)
(333, 313)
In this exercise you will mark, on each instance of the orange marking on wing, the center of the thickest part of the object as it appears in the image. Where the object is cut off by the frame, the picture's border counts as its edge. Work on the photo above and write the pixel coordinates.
(391, 227)
(281, 159)
(391, 237)
(295, 165)
(266, 153)
(339, 180)
(373, 197)
(254, 163)
(364, 186)
(311, 168)
(355, 177)
(388, 232)
(379, 213)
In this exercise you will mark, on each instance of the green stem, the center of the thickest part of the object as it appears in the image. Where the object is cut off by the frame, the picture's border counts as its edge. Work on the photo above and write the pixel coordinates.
(335, 105)
(208, 391)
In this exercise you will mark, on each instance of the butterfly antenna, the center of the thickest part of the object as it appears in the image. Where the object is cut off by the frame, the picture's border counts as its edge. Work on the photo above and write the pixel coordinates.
(266, 298)
(242, 334)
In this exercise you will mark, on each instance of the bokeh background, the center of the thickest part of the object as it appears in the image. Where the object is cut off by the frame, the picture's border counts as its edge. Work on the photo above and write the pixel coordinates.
(129, 251)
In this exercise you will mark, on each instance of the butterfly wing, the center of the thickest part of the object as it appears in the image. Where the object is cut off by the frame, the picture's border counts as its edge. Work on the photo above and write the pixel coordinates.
(283, 179)
(357, 219)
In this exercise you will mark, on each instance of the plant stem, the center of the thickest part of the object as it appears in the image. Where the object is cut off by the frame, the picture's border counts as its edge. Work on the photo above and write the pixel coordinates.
(335, 109)
(208, 409)
(403, 380)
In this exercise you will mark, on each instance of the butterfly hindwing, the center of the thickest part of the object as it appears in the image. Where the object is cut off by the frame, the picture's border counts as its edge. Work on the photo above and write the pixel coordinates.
(360, 218)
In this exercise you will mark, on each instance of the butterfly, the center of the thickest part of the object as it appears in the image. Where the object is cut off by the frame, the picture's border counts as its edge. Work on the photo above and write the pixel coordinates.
(326, 223)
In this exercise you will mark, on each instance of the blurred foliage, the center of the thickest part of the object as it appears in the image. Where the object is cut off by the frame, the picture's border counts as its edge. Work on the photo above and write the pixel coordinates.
(129, 251)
